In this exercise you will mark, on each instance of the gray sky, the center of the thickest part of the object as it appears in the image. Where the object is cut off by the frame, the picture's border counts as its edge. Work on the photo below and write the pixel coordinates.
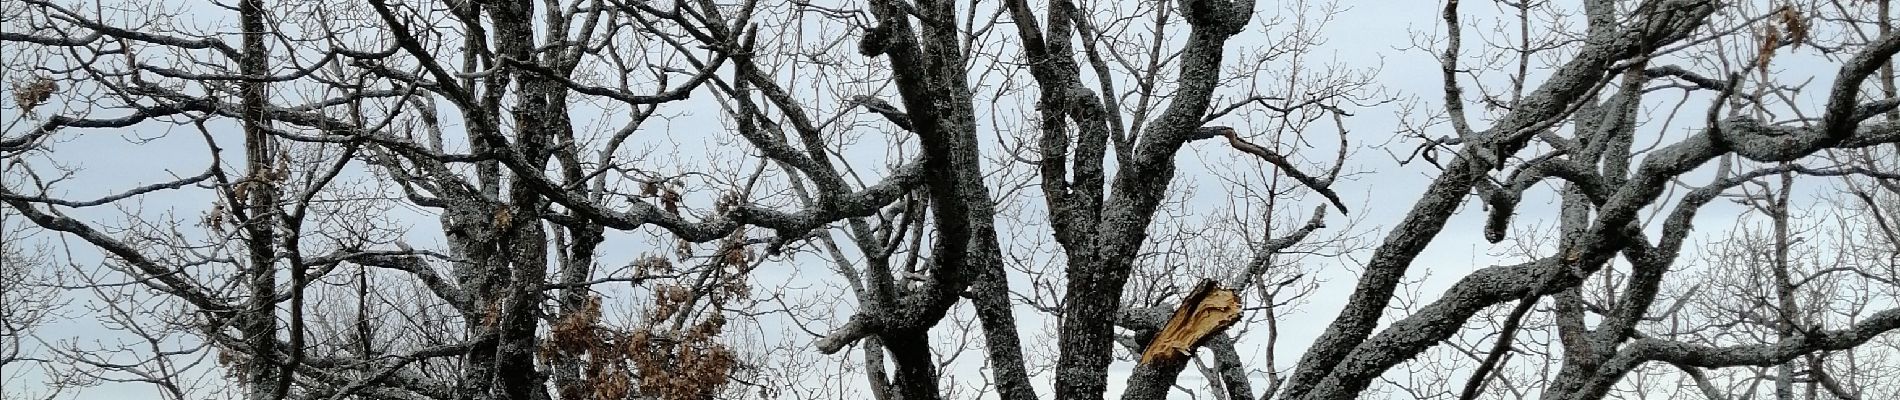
(1372, 35)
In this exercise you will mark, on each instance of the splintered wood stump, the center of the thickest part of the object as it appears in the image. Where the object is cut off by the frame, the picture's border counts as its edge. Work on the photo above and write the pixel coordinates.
(1205, 312)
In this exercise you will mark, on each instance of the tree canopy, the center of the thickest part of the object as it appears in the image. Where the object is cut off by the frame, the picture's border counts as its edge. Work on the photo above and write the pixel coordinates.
(929, 199)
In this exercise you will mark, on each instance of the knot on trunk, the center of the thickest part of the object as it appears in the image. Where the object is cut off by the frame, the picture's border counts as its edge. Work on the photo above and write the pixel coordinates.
(1220, 17)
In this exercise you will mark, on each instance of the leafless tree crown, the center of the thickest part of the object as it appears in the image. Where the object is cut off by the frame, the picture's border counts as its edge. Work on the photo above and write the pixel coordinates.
(928, 199)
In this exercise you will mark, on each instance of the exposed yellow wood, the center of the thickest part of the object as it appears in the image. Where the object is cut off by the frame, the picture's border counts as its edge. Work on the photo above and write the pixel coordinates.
(1203, 313)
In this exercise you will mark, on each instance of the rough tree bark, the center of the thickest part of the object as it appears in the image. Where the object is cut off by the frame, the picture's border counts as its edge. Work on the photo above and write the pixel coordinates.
(520, 128)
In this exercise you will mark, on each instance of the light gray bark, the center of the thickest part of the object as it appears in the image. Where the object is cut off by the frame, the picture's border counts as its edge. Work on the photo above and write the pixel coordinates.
(526, 211)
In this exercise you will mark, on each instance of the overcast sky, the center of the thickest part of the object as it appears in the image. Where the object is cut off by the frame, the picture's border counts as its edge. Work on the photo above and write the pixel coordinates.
(1372, 35)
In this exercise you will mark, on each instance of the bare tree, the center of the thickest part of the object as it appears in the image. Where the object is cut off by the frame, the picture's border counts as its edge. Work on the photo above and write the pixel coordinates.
(618, 188)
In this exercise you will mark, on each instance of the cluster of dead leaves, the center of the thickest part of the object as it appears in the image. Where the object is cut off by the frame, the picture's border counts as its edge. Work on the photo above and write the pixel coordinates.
(688, 365)
(685, 364)
(652, 359)
(675, 351)
(272, 177)
(579, 334)
(32, 93)
(650, 265)
(667, 191)
(1788, 28)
